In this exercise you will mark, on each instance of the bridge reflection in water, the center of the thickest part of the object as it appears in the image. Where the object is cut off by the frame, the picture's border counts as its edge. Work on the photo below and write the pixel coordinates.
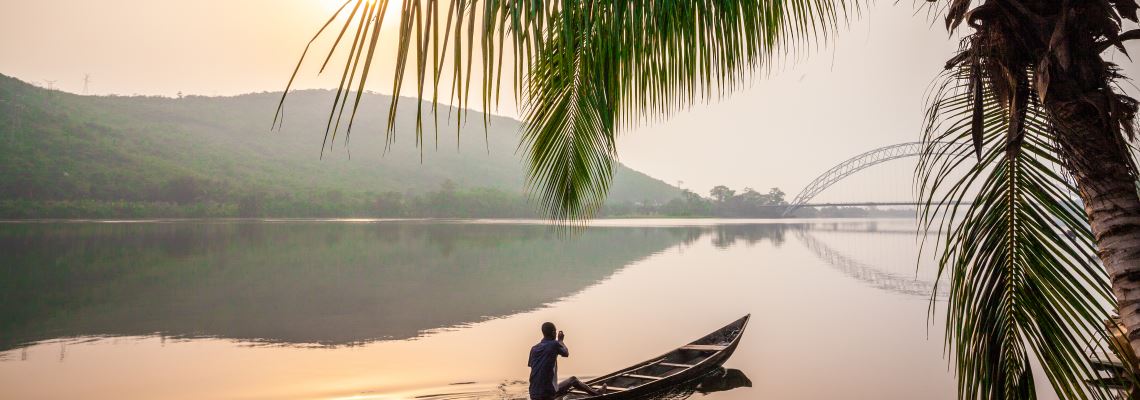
(878, 273)
(344, 284)
(874, 276)
(346, 298)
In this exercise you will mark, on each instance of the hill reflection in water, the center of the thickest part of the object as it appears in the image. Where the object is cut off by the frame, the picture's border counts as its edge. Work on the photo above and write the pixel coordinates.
(294, 283)
(326, 283)
(337, 302)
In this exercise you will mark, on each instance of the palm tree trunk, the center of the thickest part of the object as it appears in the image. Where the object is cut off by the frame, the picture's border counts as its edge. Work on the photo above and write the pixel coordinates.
(1102, 170)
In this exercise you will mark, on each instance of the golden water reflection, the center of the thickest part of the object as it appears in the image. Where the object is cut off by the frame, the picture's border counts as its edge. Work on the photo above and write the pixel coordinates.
(413, 310)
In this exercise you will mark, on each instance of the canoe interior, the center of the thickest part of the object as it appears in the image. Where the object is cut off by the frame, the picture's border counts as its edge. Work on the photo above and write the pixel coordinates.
(698, 356)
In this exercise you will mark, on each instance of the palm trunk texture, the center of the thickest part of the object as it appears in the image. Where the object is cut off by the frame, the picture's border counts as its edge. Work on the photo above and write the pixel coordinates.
(1102, 172)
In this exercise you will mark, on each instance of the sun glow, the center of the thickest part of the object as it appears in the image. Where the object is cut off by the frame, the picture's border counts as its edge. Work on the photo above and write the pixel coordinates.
(333, 5)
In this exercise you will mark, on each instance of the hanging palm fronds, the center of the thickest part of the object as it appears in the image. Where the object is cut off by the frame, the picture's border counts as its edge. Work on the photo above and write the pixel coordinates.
(1018, 255)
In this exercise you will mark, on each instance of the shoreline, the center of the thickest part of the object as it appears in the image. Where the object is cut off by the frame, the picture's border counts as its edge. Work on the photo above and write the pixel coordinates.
(527, 221)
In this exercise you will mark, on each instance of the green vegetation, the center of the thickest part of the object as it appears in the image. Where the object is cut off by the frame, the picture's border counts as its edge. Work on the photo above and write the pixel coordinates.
(68, 156)
(1031, 98)
(727, 203)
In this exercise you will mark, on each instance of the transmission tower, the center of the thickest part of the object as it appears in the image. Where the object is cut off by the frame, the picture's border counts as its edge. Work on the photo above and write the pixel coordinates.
(50, 84)
(86, 82)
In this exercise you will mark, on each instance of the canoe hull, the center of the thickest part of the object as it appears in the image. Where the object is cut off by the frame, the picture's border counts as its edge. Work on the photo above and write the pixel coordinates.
(671, 382)
(671, 369)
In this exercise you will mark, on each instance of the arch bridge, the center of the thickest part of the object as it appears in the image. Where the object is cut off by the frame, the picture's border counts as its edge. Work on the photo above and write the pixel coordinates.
(858, 163)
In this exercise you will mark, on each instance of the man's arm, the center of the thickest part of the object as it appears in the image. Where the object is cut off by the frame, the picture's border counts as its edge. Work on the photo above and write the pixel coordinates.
(565, 352)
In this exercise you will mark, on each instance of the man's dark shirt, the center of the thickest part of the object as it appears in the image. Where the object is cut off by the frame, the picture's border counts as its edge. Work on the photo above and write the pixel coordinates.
(543, 365)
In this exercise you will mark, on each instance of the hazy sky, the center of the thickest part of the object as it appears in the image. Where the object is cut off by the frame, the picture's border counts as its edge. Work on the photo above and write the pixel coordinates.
(863, 91)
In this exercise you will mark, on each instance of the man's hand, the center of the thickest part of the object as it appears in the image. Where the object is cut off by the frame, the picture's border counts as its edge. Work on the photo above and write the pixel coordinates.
(561, 336)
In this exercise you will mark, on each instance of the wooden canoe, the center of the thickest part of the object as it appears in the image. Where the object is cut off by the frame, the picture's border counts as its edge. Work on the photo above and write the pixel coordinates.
(681, 365)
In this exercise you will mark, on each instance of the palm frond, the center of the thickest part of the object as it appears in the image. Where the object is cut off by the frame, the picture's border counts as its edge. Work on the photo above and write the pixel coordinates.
(570, 134)
(582, 69)
(1018, 253)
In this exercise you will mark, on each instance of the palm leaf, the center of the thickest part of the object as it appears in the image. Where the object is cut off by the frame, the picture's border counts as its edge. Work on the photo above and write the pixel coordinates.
(1018, 253)
(583, 69)
(571, 123)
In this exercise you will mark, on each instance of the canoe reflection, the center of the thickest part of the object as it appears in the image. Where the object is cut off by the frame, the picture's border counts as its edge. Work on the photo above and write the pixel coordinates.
(722, 379)
(717, 380)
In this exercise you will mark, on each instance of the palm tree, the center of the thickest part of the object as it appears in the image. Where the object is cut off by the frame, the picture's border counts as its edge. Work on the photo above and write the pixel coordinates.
(1027, 102)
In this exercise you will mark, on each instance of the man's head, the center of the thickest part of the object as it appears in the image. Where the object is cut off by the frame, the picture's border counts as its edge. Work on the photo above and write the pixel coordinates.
(548, 330)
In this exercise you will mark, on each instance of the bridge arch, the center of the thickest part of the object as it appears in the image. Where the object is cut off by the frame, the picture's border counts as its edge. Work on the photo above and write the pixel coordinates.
(855, 164)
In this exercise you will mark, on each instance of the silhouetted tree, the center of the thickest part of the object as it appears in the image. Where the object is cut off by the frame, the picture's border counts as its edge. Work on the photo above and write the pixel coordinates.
(722, 193)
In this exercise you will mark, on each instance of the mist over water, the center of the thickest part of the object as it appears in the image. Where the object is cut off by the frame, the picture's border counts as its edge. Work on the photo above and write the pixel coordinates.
(295, 283)
(340, 309)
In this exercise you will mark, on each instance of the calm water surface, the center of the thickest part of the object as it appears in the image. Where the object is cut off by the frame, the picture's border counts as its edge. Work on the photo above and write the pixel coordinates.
(448, 310)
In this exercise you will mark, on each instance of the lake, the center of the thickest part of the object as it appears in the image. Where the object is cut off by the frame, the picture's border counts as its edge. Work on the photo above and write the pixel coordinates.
(362, 309)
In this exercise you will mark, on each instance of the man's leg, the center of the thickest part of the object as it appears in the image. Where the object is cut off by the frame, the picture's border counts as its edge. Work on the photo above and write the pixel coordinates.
(573, 383)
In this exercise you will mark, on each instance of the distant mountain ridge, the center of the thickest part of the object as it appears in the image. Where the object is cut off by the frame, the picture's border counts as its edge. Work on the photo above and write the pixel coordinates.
(56, 146)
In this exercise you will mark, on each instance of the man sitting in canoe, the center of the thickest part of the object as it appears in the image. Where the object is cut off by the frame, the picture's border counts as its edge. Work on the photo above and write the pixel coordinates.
(543, 365)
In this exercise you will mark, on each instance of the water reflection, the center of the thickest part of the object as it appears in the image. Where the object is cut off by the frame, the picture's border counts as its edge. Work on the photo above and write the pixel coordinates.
(326, 284)
(331, 283)
(717, 380)
(873, 275)
(188, 299)
(724, 236)
(721, 380)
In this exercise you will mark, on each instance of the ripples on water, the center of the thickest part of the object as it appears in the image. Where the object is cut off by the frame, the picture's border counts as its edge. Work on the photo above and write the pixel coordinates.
(717, 380)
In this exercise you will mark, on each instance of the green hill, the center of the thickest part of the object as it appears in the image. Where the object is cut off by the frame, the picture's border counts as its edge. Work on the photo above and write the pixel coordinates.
(65, 155)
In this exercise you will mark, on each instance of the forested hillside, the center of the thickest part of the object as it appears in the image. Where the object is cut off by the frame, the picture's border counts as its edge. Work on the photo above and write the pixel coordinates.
(64, 155)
